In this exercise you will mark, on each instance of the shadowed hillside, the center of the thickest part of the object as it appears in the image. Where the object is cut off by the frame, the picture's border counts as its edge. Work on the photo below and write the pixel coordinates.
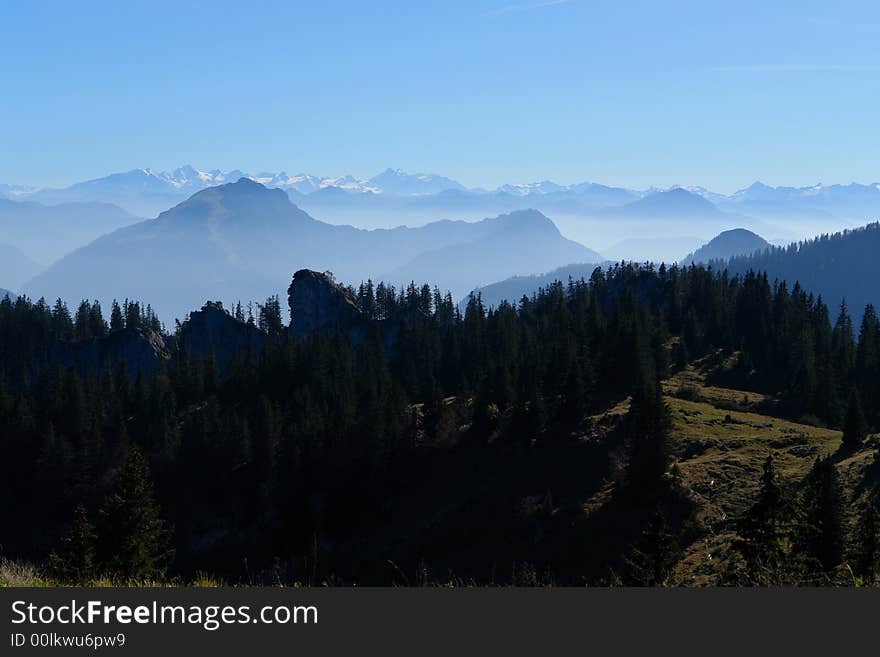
(646, 427)
(840, 267)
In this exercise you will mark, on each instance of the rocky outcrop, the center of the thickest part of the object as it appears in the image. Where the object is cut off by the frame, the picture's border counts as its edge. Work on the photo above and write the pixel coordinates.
(212, 328)
(319, 304)
(142, 351)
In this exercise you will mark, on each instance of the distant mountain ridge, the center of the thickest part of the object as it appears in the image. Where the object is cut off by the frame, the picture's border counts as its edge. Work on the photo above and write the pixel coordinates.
(839, 267)
(677, 203)
(242, 240)
(730, 243)
(44, 233)
(188, 178)
(526, 236)
(394, 197)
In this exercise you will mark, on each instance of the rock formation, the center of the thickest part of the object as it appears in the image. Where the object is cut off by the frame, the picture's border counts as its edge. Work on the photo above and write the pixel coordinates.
(142, 350)
(319, 304)
(212, 328)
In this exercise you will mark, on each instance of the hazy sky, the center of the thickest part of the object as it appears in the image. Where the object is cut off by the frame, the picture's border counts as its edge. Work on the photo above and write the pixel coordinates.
(637, 94)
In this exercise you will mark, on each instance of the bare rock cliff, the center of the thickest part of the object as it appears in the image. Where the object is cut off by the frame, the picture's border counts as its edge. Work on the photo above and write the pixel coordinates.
(320, 304)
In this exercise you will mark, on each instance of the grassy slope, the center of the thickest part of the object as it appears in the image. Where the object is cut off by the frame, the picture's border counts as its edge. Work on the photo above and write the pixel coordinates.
(721, 442)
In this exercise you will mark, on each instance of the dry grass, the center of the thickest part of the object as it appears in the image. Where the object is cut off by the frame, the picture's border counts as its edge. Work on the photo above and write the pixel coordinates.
(722, 444)
(24, 574)
(721, 441)
(20, 573)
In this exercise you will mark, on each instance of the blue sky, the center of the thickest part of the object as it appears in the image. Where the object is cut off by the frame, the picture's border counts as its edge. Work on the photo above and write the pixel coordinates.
(485, 91)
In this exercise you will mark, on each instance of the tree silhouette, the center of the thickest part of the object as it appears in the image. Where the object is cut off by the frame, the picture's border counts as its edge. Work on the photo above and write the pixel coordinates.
(134, 541)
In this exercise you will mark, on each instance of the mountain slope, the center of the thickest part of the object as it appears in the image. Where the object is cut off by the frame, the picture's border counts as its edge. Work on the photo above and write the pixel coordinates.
(243, 241)
(514, 288)
(840, 267)
(46, 232)
(676, 203)
(16, 267)
(515, 243)
(736, 242)
(139, 191)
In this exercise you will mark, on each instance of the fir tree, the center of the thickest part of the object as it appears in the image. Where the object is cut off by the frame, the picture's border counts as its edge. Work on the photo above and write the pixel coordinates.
(576, 396)
(648, 426)
(866, 551)
(74, 562)
(134, 541)
(821, 536)
(117, 319)
(764, 533)
(854, 426)
(651, 560)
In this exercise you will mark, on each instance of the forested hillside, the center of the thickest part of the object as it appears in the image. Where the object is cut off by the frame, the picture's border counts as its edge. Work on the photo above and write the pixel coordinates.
(838, 266)
(605, 431)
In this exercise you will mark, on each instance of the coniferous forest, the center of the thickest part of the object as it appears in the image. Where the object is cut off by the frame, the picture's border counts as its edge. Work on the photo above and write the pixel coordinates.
(648, 426)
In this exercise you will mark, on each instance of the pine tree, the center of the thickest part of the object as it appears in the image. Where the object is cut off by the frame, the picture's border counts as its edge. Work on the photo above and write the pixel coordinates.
(485, 415)
(269, 319)
(74, 562)
(82, 324)
(648, 426)
(820, 534)
(651, 560)
(854, 426)
(866, 552)
(576, 396)
(62, 324)
(764, 534)
(867, 369)
(843, 344)
(97, 325)
(117, 319)
(134, 541)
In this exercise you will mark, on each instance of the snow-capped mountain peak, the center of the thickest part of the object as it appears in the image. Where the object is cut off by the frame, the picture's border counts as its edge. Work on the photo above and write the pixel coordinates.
(542, 187)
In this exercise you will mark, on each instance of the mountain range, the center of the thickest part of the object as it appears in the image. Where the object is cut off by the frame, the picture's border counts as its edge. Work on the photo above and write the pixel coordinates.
(147, 192)
(420, 196)
(44, 226)
(839, 267)
(242, 240)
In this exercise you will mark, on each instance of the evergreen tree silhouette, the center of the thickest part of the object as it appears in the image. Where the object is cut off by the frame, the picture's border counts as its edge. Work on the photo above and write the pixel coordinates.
(134, 541)
(74, 562)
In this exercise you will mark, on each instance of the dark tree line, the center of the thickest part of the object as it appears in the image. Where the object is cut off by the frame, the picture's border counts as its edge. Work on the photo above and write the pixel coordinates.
(318, 440)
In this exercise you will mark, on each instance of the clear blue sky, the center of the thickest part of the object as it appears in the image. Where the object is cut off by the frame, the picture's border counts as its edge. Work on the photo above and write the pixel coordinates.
(486, 91)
